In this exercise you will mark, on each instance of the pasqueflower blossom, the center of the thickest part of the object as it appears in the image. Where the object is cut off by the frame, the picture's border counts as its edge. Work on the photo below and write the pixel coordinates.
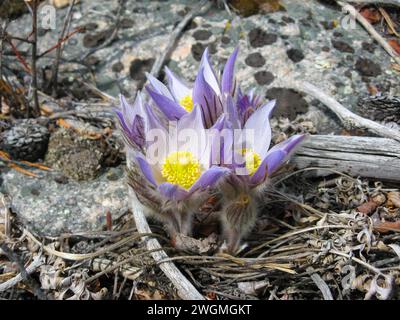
(178, 98)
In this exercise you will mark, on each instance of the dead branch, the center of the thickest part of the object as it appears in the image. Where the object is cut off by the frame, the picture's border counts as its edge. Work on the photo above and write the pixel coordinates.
(36, 263)
(186, 290)
(2, 34)
(23, 272)
(370, 157)
(34, 9)
(348, 118)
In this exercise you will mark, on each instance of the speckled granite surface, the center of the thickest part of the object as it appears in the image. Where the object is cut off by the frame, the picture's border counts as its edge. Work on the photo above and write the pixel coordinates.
(51, 205)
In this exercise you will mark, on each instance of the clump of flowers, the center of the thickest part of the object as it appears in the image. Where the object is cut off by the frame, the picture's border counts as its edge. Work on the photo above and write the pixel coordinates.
(186, 141)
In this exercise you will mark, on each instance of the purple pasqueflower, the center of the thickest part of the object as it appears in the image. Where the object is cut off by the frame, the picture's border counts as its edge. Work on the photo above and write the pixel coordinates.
(181, 168)
(178, 98)
(134, 120)
(246, 104)
(250, 164)
(258, 161)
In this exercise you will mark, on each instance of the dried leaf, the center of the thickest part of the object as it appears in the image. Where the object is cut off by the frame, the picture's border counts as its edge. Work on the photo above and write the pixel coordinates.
(368, 207)
(252, 287)
(373, 91)
(396, 66)
(372, 204)
(385, 227)
(393, 199)
(395, 44)
(203, 246)
(381, 287)
(372, 15)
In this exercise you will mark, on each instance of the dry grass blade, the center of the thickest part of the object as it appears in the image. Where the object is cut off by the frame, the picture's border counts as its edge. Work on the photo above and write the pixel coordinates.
(86, 256)
(389, 21)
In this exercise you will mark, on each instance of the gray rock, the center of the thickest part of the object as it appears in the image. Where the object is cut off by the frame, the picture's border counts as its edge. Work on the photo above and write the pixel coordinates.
(50, 206)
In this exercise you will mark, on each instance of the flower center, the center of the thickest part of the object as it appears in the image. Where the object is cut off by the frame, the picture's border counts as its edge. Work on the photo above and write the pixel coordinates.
(181, 168)
(252, 160)
(187, 103)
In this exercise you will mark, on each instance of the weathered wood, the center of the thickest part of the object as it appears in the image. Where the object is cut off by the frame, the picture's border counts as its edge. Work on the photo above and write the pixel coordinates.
(358, 156)
(186, 290)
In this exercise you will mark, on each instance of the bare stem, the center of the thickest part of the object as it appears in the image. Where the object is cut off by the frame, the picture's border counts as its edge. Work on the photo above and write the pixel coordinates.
(36, 107)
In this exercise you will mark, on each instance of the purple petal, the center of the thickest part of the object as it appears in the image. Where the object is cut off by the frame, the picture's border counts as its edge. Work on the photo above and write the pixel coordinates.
(151, 120)
(121, 120)
(204, 96)
(178, 88)
(159, 87)
(146, 169)
(232, 112)
(137, 132)
(228, 73)
(259, 122)
(276, 157)
(268, 166)
(192, 134)
(209, 74)
(173, 191)
(192, 120)
(290, 144)
(127, 110)
(170, 108)
(221, 149)
(209, 178)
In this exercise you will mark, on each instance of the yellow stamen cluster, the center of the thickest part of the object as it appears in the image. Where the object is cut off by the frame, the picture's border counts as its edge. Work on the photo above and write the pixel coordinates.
(181, 168)
(187, 103)
(252, 160)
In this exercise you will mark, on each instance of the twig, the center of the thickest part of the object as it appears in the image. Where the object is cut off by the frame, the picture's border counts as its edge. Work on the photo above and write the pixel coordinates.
(359, 261)
(364, 22)
(34, 57)
(5, 205)
(23, 273)
(2, 34)
(202, 8)
(54, 73)
(37, 262)
(348, 118)
(19, 56)
(320, 283)
(60, 42)
(99, 92)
